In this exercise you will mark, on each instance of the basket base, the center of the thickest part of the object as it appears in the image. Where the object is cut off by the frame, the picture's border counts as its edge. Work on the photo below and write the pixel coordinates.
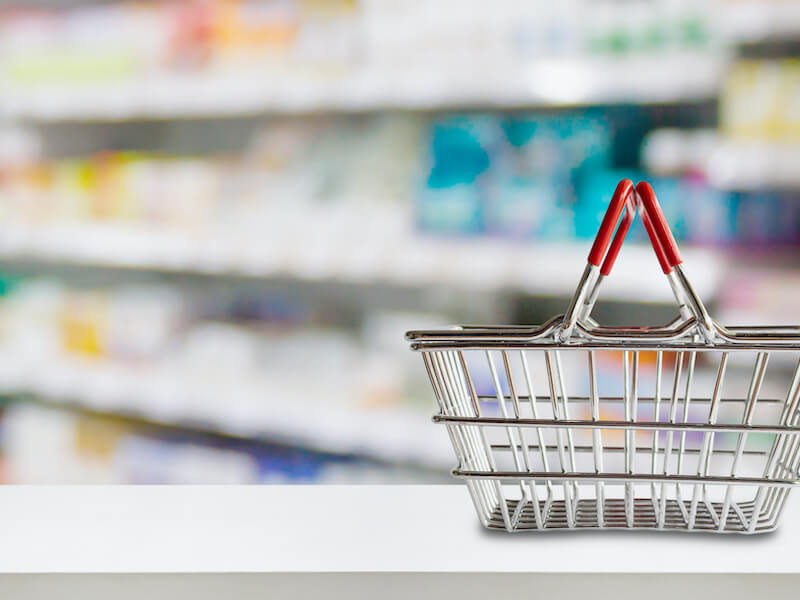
(645, 511)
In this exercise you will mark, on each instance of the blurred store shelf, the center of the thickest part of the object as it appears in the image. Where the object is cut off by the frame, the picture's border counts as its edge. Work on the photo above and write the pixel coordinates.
(374, 246)
(726, 162)
(176, 252)
(754, 20)
(755, 165)
(240, 407)
(551, 82)
(213, 59)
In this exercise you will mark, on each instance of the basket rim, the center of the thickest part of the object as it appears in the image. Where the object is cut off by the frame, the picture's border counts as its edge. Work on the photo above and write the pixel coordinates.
(680, 334)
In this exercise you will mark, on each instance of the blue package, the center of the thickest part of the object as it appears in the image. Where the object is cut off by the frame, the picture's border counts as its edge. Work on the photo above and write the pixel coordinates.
(518, 207)
(514, 175)
(455, 209)
(460, 156)
(671, 195)
(709, 213)
(594, 195)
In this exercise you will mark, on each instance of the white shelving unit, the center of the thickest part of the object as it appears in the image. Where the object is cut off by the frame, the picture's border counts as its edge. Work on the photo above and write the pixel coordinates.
(353, 542)
(753, 21)
(648, 79)
(238, 406)
(755, 165)
(367, 249)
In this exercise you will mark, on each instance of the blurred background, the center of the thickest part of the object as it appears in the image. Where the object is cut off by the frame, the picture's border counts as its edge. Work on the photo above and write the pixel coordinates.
(219, 217)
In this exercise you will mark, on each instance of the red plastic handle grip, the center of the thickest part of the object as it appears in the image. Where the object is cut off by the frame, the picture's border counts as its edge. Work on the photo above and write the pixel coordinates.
(619, 238)
(662, 258)
(657, 228)
(619, 201)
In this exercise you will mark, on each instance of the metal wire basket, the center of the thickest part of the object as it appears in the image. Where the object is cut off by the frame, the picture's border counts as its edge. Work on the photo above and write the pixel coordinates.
(712, 448)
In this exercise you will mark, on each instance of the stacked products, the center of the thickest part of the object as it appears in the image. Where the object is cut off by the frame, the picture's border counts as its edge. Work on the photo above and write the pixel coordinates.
(739, 182)
(46, 444)
(758, 208)
(290, 165)
(230, 362)
(503, 175)
(224, 56)
(760, 101)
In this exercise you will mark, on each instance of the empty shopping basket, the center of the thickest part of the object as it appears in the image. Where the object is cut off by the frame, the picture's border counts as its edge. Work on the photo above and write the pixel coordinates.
(571, 425)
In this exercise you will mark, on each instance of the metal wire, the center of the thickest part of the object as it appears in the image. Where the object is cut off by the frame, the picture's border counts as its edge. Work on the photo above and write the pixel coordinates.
(543, 458)
(667, 480)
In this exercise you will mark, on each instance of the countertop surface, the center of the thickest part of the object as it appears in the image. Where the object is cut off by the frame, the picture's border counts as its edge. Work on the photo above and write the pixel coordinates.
(338, 529)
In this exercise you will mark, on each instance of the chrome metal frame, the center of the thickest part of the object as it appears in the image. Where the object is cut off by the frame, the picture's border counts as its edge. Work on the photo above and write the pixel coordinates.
(682, 487)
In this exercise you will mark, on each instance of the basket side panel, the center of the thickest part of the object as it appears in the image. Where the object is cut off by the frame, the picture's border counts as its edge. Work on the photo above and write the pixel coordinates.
(530, 506)
(615, 413)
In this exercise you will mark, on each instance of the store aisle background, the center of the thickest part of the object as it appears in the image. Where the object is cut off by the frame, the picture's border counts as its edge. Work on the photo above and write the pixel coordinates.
(219, 217)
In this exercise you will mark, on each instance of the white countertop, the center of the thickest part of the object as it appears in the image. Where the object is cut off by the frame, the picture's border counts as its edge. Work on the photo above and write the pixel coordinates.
(338, 529)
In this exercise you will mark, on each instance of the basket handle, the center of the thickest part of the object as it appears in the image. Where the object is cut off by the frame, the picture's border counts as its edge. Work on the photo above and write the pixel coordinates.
(669, 258)
(604, 249)
(623, 198)
(657, 228)
(603, 254)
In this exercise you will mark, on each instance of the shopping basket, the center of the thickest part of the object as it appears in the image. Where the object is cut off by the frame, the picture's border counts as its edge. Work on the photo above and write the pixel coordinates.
(569, 425)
